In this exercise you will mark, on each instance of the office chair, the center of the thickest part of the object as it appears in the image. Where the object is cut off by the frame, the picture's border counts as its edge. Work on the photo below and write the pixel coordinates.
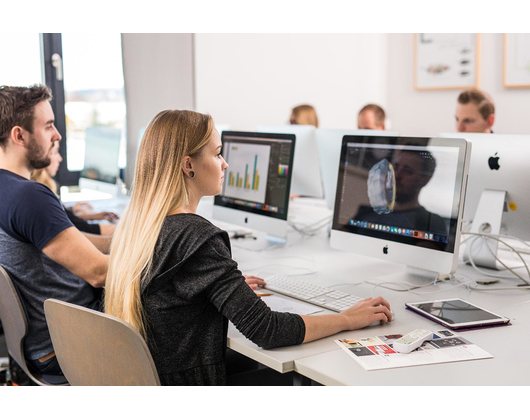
(97, 349)
(15, 323)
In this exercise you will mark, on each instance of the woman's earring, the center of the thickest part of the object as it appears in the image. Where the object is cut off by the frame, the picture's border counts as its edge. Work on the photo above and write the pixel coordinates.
(191, 174)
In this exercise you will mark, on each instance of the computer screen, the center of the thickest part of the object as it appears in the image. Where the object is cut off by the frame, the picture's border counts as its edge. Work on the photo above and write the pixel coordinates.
(257, 182)
(401, 199)
(499, 167)
(307, 180)
(329, 142)
(102, 149)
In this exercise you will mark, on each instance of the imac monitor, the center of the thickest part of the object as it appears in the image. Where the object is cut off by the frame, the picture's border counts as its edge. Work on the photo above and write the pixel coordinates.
(401, 199)
(306, 167)
(257, 182)
(329, 142)
(101, 169)
(497, 199)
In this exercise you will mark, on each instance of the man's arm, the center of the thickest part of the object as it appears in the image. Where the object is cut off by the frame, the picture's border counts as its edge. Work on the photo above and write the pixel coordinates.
(102, 243)
(76, 253)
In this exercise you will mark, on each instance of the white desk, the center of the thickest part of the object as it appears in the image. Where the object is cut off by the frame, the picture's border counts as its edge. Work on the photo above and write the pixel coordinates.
(507, 344)
(323, 361)
(99, 201)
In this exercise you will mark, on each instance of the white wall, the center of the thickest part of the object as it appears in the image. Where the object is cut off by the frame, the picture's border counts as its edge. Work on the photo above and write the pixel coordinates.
(158, 74)
(425, 113)
(250, 79)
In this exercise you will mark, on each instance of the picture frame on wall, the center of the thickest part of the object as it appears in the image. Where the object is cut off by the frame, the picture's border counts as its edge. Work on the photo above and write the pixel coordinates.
(446, 61)
(516, 60)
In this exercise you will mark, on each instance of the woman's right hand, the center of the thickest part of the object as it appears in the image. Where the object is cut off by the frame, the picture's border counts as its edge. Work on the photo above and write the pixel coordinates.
(368, 311)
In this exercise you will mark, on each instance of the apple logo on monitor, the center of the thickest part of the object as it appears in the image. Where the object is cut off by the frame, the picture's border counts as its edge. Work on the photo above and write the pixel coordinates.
(493, 162)
(385, 250)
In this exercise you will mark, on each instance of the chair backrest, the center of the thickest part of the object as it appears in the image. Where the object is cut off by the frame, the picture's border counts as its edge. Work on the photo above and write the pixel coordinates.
(15, 325)
(94, 348)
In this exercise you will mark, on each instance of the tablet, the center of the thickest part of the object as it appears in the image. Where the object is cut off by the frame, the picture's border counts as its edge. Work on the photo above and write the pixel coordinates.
(456, 313)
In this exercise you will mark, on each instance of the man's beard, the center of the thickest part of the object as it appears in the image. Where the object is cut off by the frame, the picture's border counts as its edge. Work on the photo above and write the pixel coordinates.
(35, 157)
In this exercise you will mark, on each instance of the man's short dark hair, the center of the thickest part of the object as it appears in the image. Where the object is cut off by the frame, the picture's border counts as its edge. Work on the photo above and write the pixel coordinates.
(485, 104)
(17, 107)
(378, 112)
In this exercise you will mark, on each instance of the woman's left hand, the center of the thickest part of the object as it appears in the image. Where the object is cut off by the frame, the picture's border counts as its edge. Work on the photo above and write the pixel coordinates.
(254, 281)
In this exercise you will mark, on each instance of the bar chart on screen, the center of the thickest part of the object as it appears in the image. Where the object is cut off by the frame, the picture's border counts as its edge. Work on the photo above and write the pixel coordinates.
(248, 171)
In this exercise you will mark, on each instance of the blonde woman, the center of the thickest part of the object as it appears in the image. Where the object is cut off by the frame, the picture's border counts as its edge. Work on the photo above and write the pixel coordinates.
(45, 176)
(171, 274)
(304, 114)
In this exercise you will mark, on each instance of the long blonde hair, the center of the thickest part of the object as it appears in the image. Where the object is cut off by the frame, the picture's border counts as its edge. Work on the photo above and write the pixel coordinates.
(159, 188)
(42, 176)
(305, 114)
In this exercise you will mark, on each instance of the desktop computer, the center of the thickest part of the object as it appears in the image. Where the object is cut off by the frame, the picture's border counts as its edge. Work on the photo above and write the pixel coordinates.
(98, 184)
(101, 168)
(497, 199)
(307, 180)
(257, 184)
(401, 199)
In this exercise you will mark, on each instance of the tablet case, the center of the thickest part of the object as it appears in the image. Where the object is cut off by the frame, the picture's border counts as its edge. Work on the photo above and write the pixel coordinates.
(478, 327)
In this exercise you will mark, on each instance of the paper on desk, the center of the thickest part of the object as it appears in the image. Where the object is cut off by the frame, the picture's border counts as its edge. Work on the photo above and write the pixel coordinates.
(279, 304)
(374, 353)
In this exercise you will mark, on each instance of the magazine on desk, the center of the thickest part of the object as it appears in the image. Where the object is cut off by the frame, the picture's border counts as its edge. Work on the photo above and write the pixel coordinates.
(374, 353)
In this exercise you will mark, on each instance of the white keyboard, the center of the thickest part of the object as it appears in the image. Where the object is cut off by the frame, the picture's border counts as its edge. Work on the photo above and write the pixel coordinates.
(316, 295)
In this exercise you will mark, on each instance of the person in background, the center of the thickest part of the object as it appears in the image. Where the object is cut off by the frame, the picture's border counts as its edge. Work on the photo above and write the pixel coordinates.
(371, 117)
(171, 274)
(43, 252)
(304, 115)
(45, 176)
(475, 112)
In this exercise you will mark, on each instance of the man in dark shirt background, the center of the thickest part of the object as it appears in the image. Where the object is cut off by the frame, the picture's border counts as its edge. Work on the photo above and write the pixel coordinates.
(44, 254)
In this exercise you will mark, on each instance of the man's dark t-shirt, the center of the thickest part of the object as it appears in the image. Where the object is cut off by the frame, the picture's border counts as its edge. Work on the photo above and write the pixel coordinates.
(30, 216)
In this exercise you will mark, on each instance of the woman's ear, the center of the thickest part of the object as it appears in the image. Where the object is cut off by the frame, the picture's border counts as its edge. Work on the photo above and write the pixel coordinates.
(187, 165)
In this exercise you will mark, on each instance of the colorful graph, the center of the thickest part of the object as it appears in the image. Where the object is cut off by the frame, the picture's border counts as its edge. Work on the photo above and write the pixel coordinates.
(237, 181)
(247, 173)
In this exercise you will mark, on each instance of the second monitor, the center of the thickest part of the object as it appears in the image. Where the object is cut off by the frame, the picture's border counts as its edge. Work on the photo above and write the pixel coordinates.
(497, 199)
(257, 182)
(101, 169)
(307, 180)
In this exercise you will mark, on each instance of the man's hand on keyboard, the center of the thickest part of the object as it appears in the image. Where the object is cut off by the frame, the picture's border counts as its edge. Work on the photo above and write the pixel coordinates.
(368, 311)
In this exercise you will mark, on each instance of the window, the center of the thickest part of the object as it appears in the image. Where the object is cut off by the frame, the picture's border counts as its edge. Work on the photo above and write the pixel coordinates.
(20, 60)
(94, 90)
(85, 74)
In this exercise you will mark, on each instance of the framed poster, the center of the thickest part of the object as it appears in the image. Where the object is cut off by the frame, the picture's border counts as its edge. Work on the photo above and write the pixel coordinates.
(446, 61)
(516, 60)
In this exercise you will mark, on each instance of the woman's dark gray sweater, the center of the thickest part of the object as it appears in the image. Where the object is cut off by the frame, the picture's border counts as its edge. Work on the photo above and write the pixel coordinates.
(192, 290)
